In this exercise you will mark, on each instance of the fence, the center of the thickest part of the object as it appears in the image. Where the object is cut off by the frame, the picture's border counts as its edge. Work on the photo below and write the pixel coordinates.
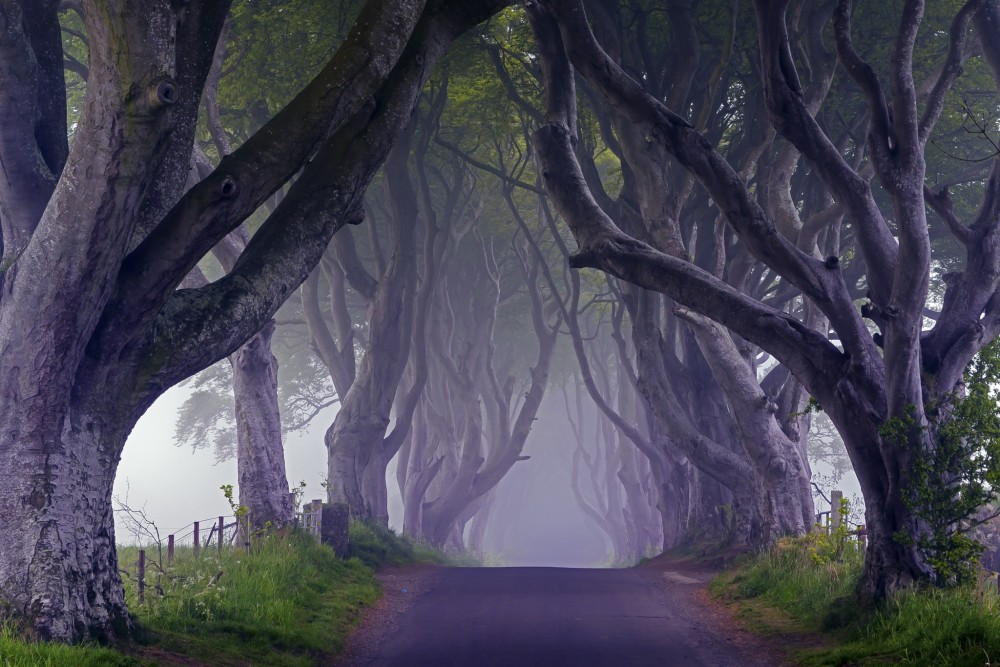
(829, 521)
(311, 518)
(214, 533)
(328, 523)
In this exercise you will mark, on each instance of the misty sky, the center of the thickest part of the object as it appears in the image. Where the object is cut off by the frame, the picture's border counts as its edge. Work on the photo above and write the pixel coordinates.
(176, 486)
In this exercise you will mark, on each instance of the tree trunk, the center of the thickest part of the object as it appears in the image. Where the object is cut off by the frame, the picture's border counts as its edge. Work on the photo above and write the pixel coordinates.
(345, 441)
(374, 489)
(355, 440)
(58, 562)
(892, 565)
(260, 454)
(480, 524)
(89, 310)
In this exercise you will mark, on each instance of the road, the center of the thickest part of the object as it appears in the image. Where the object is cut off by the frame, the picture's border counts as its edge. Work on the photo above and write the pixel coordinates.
(553, 617)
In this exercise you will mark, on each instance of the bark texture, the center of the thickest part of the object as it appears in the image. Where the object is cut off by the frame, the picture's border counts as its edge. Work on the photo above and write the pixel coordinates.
(860, 386)
(107, 227)
(260, 456)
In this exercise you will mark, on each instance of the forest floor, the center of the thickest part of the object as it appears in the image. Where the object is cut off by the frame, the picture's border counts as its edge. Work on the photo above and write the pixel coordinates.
(659, 613)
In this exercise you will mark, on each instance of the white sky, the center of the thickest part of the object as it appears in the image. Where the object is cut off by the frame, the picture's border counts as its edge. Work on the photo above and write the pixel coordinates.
(176, 486)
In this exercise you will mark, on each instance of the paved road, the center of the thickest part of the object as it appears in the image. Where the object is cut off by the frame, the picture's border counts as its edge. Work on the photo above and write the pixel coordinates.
(553, 617)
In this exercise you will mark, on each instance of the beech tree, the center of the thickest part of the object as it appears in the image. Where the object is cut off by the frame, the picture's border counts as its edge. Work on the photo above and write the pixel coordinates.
(474, 420)
(889, 394)
(96, 238)
(359, 442)
(713, 445)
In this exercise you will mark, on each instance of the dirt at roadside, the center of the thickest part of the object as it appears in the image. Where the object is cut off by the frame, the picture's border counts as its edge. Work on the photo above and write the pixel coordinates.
(154, 655)
(752, 628)
(401, 587)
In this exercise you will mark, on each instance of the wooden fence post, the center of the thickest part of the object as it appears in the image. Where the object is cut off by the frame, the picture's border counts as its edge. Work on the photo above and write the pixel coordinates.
(142, 575)
(334, 527)
(222, 529)
(835, 498)
(317, 517)
(197, 540)
(170, 550)
(247, 531)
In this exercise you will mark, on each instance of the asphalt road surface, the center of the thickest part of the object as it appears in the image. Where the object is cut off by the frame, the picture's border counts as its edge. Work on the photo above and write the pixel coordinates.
(554, 617)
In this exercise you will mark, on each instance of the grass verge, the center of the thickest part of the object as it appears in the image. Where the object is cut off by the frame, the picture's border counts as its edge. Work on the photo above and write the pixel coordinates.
(16, 653)
(808, 585)
(376, 546)
(285, 604)
(288, 603)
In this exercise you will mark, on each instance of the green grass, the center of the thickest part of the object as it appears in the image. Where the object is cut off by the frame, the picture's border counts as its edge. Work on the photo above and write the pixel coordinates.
(813, 592)
(806, 578)
(17, 653)
(376, 546)
(954, 628)
(288, 602)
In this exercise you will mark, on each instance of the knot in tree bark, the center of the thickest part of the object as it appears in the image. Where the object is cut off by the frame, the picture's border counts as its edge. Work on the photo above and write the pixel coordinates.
(229, 187)
(777, 466)
(162, 94)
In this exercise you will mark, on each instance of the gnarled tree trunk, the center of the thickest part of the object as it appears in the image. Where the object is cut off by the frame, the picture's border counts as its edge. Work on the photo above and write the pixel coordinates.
(260, 457)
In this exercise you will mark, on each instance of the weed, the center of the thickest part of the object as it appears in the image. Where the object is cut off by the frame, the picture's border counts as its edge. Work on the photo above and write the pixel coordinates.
(958, 627)
(376, 546)
(17, 653)
(286, 601)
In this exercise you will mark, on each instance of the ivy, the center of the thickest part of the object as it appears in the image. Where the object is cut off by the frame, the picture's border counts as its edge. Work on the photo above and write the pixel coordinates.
(958, 474)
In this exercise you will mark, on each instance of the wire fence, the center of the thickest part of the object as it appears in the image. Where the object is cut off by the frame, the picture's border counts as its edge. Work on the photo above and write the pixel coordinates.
(211, 534)
(831, 520)
(157, 551)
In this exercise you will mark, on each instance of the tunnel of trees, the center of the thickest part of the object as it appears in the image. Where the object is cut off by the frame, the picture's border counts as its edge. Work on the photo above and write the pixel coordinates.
(687, 227)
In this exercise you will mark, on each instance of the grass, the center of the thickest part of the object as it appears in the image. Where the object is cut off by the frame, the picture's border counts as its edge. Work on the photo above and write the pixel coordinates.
(376, 546)
(289, 603)
(17, 653)
(806, 586)
(957, 628)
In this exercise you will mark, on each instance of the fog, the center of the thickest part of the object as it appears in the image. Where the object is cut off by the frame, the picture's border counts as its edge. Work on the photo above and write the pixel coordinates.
(175, 485)
(538, 521)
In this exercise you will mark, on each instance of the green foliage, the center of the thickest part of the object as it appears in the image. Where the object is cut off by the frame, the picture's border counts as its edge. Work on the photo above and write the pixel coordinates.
(960, 472)
(808, 577)
(15, 652)
(283, 603)
(812, 405)
(838, 545)
(376, 546)
(255, 83)
(957, 627)
(238, 510)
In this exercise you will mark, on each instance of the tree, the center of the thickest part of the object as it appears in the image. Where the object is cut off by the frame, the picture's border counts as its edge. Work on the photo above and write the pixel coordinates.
(903, 377)
(714, 442)
(96, 239)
